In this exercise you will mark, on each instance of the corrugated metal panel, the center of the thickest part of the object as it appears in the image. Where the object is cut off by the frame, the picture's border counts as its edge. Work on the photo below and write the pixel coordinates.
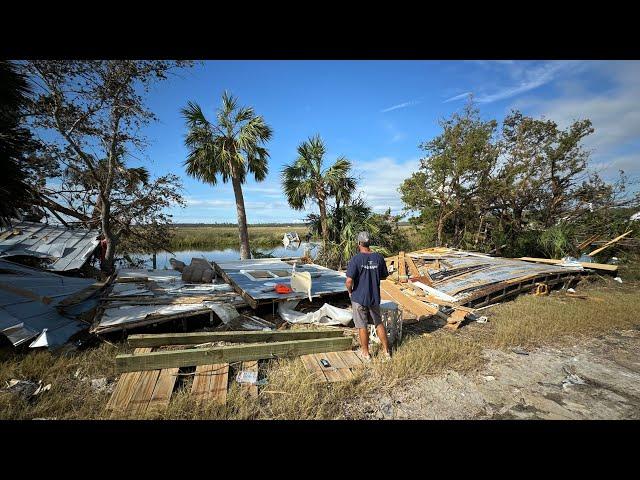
(67, 249)
(22, 317)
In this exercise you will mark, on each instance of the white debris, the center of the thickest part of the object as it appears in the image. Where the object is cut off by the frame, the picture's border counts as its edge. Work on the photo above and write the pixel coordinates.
(325, 315)
(571, 290)
(618, 279)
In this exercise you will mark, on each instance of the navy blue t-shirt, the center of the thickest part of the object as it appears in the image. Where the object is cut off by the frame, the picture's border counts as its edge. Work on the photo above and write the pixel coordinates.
(366, 270)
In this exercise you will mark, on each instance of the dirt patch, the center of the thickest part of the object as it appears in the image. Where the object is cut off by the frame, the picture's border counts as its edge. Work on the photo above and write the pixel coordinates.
(595, 379)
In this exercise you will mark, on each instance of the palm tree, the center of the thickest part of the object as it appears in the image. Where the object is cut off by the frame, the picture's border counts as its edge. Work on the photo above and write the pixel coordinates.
(230, 147)
(305, 180)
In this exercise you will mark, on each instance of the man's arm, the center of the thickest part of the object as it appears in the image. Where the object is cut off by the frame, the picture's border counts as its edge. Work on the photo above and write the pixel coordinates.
(352, 272)
(349, 285)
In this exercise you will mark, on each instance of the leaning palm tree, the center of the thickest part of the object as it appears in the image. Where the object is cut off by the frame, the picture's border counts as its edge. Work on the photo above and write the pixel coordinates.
(229, 147)
(305, 180)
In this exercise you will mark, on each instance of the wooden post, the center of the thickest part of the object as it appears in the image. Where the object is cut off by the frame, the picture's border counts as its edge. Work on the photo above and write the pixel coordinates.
(154, 260)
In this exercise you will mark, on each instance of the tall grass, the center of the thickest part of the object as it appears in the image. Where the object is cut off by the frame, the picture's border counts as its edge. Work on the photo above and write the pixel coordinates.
(223, 237)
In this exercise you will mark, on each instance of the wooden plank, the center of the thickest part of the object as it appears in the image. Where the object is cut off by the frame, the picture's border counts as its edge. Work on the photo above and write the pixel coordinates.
(330, 372)
(413, 270)
(122, 393)
(351, 359)
(201, 382)
(251, 366)
(588, 241)
(342, 368)
(154, 340)
(609, 243)
(314, 368)
(594, 266)
(142, 393)
(389, 291)
(164, 388)
(219, 382)
(402, 268)
(227, 354)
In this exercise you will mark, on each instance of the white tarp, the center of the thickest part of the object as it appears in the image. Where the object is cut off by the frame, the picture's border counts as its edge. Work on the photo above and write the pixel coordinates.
(325, 315)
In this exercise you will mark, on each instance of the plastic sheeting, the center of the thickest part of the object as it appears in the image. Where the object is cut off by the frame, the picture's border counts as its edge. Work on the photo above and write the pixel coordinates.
(325, 315)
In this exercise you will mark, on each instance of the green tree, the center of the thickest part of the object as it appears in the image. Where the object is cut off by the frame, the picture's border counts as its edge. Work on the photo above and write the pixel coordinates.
(456, 167)
(228, 148)
(89, 115)
(307, 180)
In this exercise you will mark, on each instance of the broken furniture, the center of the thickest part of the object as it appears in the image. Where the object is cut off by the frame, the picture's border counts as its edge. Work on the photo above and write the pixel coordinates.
(63, 248)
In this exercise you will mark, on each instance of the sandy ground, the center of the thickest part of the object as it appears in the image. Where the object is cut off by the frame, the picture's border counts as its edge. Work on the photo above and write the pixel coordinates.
(596, 379)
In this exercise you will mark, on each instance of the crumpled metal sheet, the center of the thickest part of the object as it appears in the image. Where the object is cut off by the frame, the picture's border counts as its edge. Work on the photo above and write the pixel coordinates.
(23, 317)
(65, 248)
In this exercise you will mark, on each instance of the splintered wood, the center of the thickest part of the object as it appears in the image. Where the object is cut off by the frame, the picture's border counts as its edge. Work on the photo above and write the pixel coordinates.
(341, 365)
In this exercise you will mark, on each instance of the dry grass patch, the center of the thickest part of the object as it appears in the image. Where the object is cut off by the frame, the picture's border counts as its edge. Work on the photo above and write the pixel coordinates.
(71, 394)
(531, 321)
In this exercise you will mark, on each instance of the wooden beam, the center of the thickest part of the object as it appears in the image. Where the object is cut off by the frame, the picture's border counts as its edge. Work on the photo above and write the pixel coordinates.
(150, 340)
(413, 270)
(609, 243)
(228, 354)
(594, 266)
(253, 303)
(588, 241)
(389, 291)
(402, 268)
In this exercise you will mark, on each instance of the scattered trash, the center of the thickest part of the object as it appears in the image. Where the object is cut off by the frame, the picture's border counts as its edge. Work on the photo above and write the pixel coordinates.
(26, 388)
(489, 378)
(519, 351)
(325, 315)
(482, 319)
(618, 279)
(99, 384)
(571, 379)
(247, 376)
(571, 290)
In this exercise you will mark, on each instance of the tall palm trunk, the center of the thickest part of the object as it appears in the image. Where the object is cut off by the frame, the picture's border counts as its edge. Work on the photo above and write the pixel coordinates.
(323, 220)
(243, 232)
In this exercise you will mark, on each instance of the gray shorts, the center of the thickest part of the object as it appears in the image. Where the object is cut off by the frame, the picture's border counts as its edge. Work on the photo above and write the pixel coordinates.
(363, 315)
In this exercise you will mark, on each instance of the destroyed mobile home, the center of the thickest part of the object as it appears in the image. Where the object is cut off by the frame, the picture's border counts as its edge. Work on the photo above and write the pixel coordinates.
(216, 321)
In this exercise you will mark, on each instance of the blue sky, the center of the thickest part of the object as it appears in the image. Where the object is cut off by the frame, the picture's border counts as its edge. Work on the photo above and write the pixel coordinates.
(377, 112)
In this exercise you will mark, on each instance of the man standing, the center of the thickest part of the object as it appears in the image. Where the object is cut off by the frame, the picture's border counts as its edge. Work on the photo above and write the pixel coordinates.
(364, 272)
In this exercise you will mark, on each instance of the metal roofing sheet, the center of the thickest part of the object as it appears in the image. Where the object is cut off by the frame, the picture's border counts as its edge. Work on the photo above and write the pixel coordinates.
(23, 316)
(323, 280)
(66, 248)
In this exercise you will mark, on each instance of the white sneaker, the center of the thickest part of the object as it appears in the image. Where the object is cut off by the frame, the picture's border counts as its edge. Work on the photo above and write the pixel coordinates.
(363, 357)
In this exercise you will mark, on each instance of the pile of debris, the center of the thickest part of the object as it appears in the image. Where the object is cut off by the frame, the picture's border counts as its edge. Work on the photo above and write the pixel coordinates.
(451, 284)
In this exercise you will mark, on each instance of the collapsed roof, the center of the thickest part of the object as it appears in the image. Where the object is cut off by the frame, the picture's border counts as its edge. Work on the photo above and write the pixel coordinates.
(63, 247)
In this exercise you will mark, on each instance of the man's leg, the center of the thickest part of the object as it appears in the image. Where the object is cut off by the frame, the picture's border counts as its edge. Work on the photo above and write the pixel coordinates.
(363, 336)
(381, 330)
(360, 321)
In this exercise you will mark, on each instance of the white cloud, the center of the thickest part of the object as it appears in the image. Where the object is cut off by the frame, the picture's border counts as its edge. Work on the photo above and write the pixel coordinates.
(380, 179)
(401, 105)
(458, 97)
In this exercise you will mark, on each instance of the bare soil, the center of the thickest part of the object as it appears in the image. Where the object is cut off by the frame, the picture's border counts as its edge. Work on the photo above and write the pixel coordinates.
(598, 378)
